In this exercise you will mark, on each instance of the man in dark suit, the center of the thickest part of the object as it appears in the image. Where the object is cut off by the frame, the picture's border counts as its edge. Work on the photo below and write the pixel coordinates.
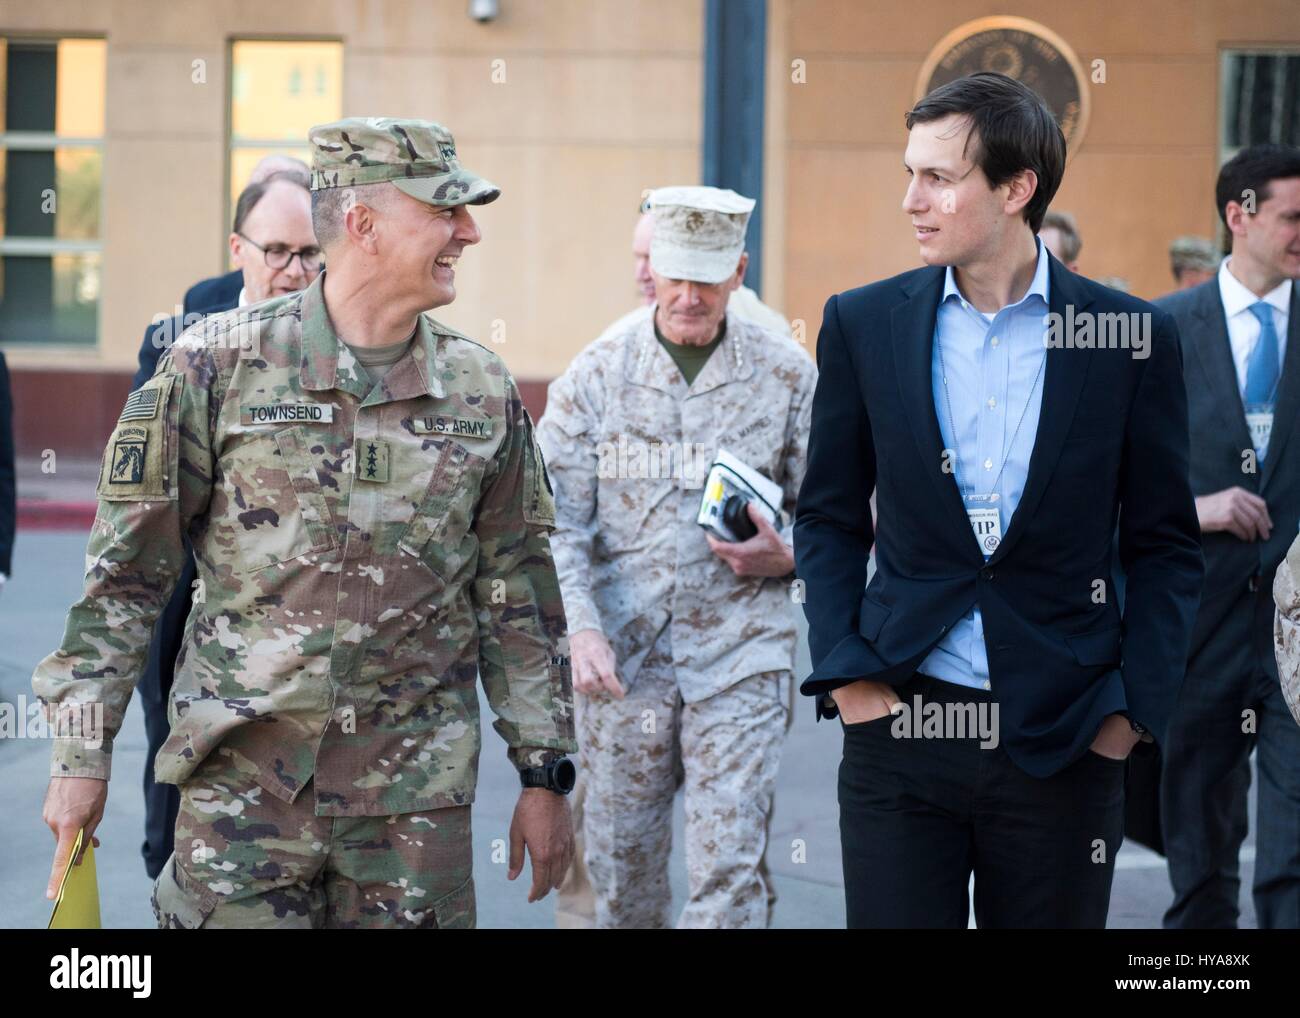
(220, 293)
(1240, 333)
(1002, 440)
(273, 244)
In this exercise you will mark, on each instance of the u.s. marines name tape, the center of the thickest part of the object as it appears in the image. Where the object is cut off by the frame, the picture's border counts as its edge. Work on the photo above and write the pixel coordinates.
(281, 413)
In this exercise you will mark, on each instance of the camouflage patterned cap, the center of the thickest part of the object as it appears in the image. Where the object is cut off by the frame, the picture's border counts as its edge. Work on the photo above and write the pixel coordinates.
(1194, 253)
(418, 156)
(699, 232)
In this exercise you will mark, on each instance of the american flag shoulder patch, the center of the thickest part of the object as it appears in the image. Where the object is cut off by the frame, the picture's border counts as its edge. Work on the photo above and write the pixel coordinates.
(141, 405)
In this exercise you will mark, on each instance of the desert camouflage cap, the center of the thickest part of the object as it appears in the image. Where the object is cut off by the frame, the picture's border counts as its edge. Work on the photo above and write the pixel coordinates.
(418, 156)
(699, 232)
(1194, 253)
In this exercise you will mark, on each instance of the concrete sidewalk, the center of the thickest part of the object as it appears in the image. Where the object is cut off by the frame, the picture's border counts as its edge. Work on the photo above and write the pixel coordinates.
(47, 579)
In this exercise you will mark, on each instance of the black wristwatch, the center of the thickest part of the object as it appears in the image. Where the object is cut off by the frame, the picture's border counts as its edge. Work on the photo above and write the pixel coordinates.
(1140, 731)
(557, 776)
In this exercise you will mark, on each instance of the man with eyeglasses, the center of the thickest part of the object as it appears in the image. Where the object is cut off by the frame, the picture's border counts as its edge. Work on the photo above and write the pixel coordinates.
(220, 292)
(274, 251)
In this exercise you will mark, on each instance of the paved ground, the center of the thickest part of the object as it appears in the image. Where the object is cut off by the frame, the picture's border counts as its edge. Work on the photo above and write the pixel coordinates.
(48, 573)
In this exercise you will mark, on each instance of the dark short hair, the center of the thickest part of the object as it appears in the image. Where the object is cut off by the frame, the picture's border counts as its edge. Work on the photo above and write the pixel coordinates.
(253, 193)
(1012, 130)
(1253, 169)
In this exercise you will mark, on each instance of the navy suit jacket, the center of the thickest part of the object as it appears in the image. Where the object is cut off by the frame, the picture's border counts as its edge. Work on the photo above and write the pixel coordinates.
(220, 293)
(1112, 435)
(1238, 574)
(159, 336)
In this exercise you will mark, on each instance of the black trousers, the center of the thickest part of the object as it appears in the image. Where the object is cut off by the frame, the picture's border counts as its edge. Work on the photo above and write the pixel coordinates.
(1230, 704)
(161, 802)
(919, 815)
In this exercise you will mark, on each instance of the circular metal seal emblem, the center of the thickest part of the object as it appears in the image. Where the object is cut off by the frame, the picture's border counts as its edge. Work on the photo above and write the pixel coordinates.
(1021, 49)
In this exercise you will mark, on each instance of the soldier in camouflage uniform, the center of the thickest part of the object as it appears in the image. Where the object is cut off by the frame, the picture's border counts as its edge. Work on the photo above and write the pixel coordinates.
(1286, 627)
(682, 644)
(369, 540)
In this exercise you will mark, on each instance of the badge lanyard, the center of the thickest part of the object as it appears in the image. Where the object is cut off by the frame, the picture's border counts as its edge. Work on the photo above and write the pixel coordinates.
(1259, 421)
(982, 510)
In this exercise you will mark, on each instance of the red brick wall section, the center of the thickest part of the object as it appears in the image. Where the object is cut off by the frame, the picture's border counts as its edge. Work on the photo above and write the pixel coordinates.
(71, 412)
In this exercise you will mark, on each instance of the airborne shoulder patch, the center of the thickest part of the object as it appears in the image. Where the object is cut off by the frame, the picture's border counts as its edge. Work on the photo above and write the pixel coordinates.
(127, 463)
(140, 460)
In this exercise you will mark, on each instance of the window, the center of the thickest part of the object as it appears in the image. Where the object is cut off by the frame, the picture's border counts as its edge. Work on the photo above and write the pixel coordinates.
(51, 164)
(1260, 99)
(271, 104)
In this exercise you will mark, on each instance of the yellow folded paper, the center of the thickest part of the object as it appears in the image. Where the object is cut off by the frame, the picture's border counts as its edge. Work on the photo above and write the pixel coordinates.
(77, 906)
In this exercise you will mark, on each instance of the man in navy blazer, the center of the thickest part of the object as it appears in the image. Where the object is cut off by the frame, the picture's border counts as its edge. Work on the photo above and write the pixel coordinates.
(1009, 415)
(275, 248)
(220, 293)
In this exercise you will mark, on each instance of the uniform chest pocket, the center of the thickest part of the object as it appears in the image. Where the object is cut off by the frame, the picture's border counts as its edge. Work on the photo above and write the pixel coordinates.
(759, 442)
(277, 508)
(439, 533)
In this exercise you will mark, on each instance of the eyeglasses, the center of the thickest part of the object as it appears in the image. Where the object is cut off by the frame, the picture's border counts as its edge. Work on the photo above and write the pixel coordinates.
(278, 256)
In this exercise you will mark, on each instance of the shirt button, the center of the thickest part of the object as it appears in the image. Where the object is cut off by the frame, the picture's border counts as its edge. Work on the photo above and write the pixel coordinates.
(994, 341)
(988, 464)
(993, 401)
(987, 685)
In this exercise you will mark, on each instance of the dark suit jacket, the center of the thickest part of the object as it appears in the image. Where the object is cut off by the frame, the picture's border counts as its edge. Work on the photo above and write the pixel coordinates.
(220, 293)
(8, 482)
(159, 336)
(1113, 432)
(1238, 574)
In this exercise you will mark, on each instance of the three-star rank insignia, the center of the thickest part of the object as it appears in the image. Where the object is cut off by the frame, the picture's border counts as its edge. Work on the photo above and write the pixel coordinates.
(371, 457)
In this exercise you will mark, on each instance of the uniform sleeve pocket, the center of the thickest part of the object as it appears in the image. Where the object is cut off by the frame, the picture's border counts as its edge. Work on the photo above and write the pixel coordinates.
(455, 911)
(177, 905)
(539, 496)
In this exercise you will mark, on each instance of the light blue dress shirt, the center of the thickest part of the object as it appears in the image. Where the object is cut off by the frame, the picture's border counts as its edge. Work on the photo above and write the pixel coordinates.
(996, 369)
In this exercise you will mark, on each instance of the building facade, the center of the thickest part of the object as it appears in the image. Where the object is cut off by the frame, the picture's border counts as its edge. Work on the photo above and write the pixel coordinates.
(142, 118)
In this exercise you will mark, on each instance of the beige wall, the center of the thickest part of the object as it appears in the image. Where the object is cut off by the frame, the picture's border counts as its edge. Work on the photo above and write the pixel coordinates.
(601, 99)
(1144, 175)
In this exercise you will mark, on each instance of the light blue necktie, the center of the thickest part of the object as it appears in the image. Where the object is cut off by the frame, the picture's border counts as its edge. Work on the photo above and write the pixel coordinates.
(1262, 368)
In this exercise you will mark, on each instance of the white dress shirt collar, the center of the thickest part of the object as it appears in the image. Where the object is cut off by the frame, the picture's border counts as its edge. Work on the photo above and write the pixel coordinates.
(1237, 298)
